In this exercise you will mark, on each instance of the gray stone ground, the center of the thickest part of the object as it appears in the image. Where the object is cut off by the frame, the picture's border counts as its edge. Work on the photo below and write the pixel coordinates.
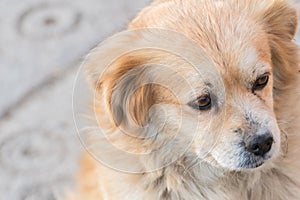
(42, 43)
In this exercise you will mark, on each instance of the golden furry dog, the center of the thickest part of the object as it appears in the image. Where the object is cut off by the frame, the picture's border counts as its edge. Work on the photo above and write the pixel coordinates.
(211, 110)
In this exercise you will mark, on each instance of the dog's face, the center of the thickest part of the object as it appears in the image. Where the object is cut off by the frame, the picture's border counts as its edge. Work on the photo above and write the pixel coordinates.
(220, 109)
(240, 122)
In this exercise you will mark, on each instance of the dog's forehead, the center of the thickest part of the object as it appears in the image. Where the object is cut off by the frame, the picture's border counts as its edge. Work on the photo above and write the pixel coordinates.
(248, 58)
(248, 61)
(252, 61)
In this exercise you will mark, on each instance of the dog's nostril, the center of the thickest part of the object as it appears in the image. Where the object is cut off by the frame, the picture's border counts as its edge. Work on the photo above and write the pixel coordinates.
(238, 130)
(255, 148)
(259, 145)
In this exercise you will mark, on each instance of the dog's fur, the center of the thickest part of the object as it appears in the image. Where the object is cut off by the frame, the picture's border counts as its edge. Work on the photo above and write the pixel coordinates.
(241, 39)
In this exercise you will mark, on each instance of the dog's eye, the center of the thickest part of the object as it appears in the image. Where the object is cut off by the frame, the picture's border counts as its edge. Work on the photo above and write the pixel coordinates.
(202, 103)
(261, 82)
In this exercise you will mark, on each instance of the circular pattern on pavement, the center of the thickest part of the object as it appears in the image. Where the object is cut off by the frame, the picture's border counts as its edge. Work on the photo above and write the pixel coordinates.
(32, 151)
(47, 21)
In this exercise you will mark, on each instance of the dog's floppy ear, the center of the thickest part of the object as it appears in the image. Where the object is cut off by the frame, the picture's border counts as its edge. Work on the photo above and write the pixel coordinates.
(130, 91)
(117, 70)
(279, 20)
(126, 89)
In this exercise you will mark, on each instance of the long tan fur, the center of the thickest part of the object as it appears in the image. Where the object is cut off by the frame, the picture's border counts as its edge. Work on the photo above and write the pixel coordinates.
(235, 35)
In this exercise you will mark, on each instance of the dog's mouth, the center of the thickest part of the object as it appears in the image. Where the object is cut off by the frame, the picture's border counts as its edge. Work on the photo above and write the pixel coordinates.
(244, 161)
(254, 162)
(239, 158)
(253, 165)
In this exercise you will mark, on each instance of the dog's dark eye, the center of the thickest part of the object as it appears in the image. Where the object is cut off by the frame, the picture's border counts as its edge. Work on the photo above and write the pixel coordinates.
(261, 82)
(202, 103)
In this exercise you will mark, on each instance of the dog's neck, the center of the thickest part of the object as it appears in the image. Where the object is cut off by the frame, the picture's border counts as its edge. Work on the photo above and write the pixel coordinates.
(206, 182)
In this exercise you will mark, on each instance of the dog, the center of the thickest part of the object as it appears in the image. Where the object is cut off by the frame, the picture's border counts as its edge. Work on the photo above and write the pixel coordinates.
(196, 100)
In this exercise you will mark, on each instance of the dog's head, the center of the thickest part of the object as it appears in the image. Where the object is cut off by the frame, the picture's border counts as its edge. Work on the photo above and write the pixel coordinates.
(217, 101)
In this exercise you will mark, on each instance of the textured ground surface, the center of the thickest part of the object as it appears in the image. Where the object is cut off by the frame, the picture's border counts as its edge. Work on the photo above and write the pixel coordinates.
(41, 45)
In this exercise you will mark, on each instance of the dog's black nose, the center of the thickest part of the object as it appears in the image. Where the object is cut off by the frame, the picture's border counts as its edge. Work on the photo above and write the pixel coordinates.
(259, 145)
